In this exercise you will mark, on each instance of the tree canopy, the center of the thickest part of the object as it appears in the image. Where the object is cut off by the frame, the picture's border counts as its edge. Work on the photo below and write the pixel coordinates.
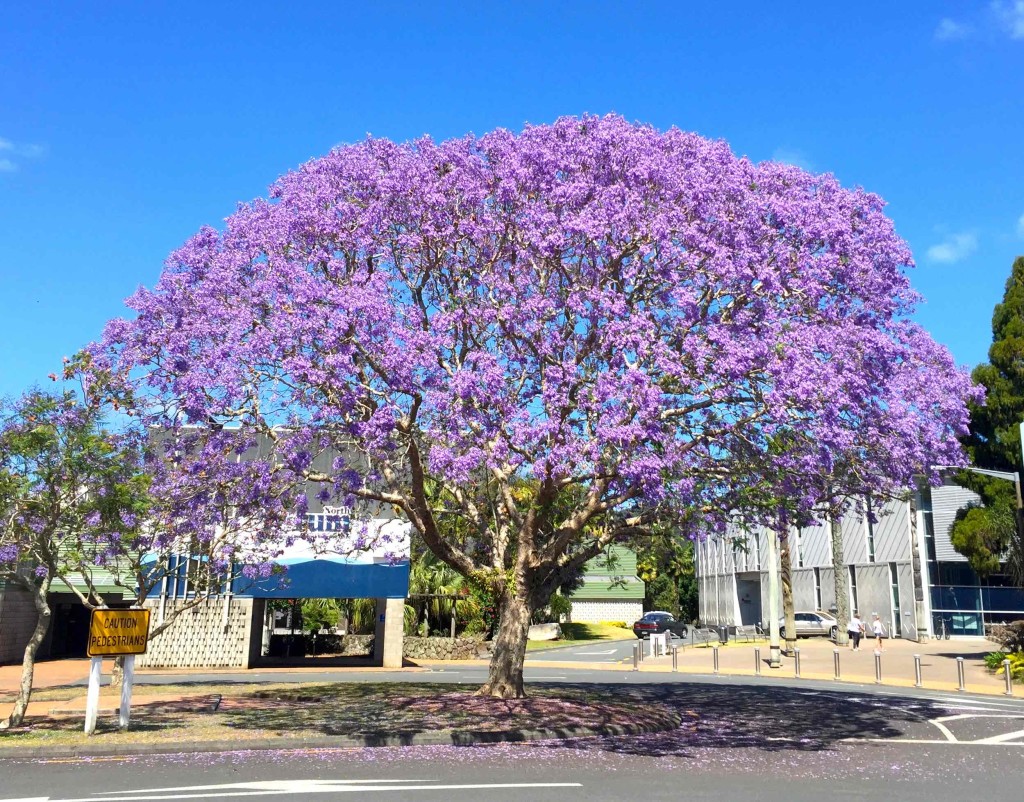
(985, 534)
(619, 315)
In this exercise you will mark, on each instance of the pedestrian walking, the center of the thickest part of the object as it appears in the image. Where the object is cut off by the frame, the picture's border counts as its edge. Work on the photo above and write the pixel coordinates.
(877, 630)
(855, 628)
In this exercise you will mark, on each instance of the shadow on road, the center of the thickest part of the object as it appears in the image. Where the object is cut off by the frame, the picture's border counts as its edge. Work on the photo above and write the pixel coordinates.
(773, 719)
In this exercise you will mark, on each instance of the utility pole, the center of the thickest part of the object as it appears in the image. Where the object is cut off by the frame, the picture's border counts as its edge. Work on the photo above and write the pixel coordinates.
(774, 647)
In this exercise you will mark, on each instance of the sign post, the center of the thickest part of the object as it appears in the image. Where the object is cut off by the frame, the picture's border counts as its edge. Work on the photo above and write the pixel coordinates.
(114, 633)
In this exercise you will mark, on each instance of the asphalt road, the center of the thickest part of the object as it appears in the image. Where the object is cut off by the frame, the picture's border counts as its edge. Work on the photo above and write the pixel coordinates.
(740, 740)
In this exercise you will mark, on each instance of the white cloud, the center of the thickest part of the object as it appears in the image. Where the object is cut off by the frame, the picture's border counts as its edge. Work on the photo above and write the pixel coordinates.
(13, 153)
(1020, 226)
(1011, 17)
(794, 157)
(951, 30)
(954, 248)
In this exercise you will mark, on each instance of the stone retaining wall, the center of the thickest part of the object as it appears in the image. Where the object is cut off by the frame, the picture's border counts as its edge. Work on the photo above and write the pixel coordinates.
(416, 648)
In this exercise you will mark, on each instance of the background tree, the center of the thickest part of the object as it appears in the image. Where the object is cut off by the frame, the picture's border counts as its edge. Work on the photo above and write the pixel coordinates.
(600, 308)
(79, 493)
(989, 534)
(71, 493)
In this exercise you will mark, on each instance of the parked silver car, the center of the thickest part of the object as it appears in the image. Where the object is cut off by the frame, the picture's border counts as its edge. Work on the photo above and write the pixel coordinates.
(810, 624)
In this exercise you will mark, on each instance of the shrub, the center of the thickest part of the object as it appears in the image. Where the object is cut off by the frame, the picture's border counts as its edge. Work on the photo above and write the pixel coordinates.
(1016, 666)
(560, 608)
(994, 660)
(475, 626)
(619, 624)
(1009, 636)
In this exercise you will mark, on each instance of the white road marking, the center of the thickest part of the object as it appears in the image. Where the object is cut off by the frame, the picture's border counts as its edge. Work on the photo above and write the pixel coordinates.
(287, 788)
(594, 654)
(1004, 738)
(927, 741)
(944, 730)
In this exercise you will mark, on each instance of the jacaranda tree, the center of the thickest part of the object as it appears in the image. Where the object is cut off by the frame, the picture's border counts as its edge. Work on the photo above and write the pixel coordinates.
(613, 313)
(73, 497)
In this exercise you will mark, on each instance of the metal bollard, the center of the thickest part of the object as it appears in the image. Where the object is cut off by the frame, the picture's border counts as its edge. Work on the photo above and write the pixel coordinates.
(835, 662)
(796, 662)
(917, 671)
(1008, 677)
(641, 645)
(714, 650)
(637, 650)
(960, 674)
(757, 661)
(878, 667)
(675, 658)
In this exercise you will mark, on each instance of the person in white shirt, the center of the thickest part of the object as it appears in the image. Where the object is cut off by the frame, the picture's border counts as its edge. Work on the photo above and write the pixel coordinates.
(855, 628)
(877, 630)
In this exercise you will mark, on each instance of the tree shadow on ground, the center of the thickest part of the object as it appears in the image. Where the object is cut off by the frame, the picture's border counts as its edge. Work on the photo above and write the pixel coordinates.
(769, 718)
(722, 716)
(383, 710)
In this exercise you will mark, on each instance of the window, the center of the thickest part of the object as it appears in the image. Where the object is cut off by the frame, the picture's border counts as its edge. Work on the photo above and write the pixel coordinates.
(894, 583)
(799, 548)
(817, 588)
(870, 532)
(853, 588)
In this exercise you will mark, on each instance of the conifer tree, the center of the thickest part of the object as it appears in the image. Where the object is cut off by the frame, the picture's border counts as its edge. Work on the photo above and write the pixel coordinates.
(988, 534)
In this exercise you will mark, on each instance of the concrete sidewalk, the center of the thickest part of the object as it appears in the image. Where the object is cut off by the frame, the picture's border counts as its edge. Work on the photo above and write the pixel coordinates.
(817, 661)
(938, 668)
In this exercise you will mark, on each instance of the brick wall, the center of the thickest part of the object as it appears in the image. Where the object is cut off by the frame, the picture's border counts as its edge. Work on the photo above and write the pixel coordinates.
(17, 620)
(199, 638)
(592, 611)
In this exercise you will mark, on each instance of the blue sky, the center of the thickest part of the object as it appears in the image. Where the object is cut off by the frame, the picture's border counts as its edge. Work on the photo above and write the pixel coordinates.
(124, 127)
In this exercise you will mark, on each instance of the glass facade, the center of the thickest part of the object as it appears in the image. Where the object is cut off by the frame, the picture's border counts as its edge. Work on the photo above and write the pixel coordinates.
(967, 608)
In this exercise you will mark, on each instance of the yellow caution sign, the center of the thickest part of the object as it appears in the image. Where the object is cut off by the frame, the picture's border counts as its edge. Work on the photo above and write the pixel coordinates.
(117, 632)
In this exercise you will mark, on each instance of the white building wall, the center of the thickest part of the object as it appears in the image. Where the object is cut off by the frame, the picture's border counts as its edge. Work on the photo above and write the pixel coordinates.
(817, 545)
(803, 589)
(912, 628)
(828, 588)
(854, 540)
(873, 593)
(946, 502)
(892, 533)
(617, 610)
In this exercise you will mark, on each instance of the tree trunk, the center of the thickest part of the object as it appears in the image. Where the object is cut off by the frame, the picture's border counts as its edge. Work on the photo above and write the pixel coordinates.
(839, 569)
(505, 677)
(786, 581)
(117, 672)
(28, 663)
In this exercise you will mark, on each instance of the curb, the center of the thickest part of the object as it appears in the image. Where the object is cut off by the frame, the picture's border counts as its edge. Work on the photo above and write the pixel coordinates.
(669, 721)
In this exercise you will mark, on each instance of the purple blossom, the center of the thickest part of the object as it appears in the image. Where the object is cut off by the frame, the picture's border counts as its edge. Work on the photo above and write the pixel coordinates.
(590, 308)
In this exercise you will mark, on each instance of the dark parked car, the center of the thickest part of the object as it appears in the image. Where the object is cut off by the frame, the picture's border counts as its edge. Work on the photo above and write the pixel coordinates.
(656, 622)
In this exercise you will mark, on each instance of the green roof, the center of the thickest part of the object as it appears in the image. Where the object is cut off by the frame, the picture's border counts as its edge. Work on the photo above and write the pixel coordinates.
(611, 577)
(604, 588)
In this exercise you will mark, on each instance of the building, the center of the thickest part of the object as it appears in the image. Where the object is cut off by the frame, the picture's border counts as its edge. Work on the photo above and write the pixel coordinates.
(899, 563)
(611, 590)
(368, 557)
